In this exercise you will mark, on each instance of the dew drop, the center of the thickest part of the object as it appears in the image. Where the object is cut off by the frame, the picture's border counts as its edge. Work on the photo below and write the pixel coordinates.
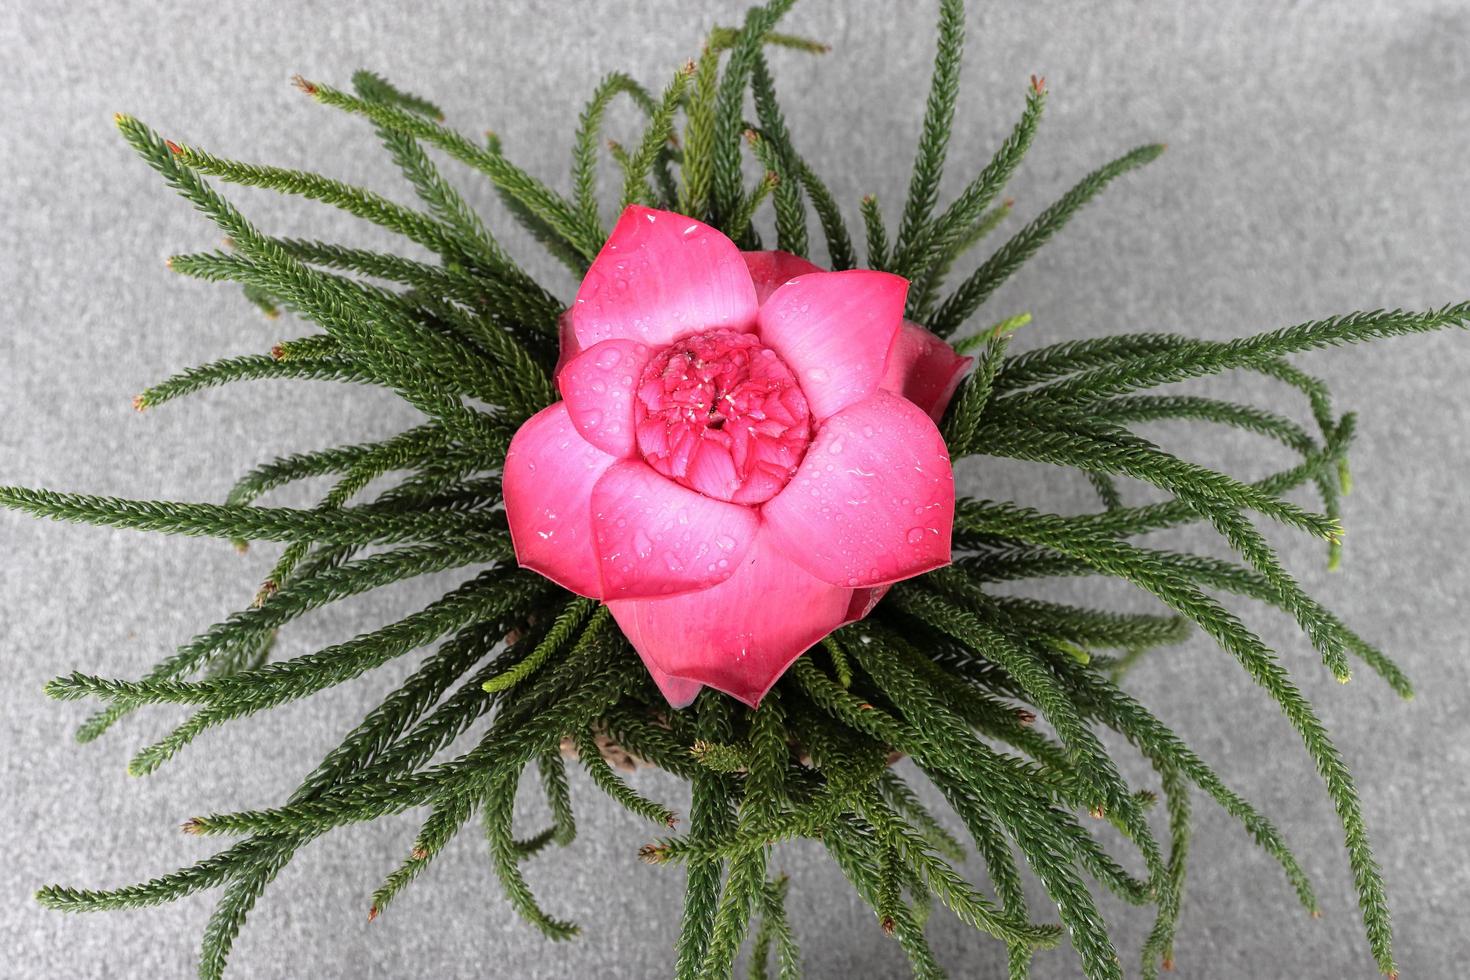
(835, 447)
(591, 419)
(609, 359)
(916, 534)
(725, 541)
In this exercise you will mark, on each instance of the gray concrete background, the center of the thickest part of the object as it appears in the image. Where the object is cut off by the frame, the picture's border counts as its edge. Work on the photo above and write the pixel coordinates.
(1317, 165)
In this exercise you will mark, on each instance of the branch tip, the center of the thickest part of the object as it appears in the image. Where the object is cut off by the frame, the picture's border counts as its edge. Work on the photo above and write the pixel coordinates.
(194, 826)
(174, 148)
(1038, 84)
(140, 403)
(653, 854)
(373, 912)
(300, 82)
(888, 925)
(419, 854)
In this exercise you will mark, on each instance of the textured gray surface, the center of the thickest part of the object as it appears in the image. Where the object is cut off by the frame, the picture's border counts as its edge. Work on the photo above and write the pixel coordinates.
(1317, 165)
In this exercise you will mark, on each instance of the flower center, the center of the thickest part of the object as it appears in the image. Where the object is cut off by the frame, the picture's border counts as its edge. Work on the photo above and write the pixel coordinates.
(721, 414)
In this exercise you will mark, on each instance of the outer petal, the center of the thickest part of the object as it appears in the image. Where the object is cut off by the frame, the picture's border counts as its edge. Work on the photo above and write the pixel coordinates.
(568, 347)
(864, 601)
(741, 635)
(599, 386)
(656, 538)
(660, 276)
(923, 369)
(548, 479)
(834, 330)
(770, 270)
(873, 501)
(680, 693)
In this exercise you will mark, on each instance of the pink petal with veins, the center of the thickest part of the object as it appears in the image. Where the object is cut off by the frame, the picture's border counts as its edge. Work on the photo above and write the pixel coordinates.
(741, 635)
(924, 369)
(549, 474)
(834, 330)
(680, 693)
(770, 270)
(661, 276)
(599, 386)
(873, 501)
(656, 538)
(567, 346)
(864, 601)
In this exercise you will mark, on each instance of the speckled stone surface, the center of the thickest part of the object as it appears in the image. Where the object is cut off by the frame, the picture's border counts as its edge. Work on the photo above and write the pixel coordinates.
(1318, 164)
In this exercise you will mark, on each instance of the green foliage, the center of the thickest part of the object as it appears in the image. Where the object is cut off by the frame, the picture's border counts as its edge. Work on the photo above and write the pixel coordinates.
(949, 671)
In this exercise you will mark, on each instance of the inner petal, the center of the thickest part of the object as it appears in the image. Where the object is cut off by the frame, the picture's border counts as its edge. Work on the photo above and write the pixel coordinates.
(721, 414)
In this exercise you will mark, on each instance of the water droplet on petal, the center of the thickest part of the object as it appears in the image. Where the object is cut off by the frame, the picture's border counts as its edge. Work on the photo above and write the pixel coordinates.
(916, 534)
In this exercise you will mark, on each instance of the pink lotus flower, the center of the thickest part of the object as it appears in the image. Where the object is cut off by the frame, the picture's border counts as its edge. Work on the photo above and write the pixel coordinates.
(745, 455)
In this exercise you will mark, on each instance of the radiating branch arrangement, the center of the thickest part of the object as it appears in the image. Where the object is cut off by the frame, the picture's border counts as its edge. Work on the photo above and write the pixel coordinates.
(998, 700)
